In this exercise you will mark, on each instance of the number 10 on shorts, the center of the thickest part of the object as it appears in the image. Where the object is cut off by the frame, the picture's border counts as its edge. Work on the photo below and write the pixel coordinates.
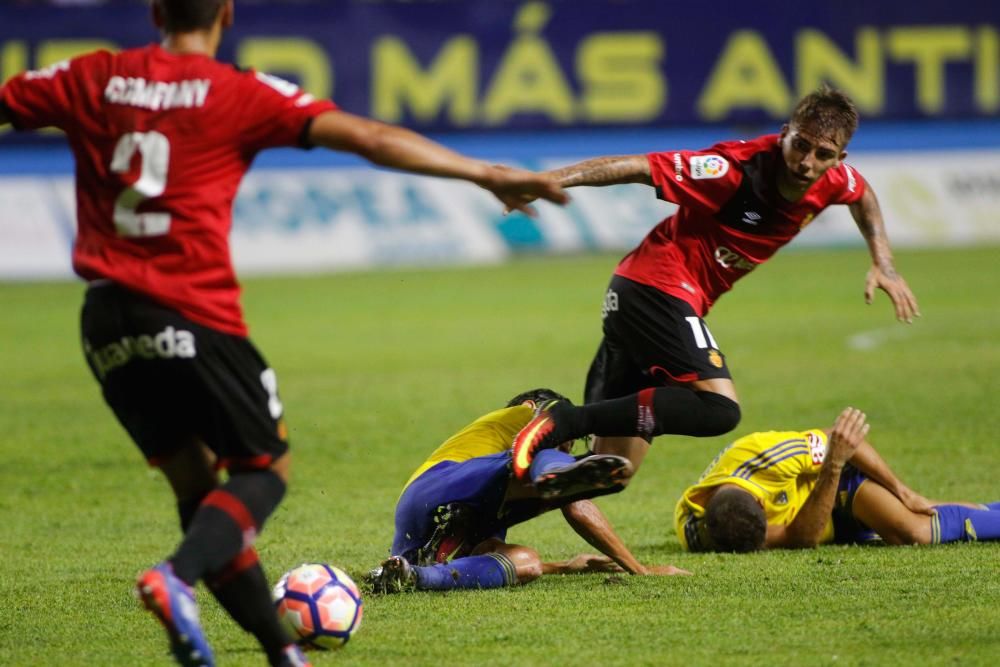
(702, 336)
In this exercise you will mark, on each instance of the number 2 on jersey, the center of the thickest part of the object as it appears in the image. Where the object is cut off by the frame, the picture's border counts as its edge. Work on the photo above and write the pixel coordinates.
(154, 149)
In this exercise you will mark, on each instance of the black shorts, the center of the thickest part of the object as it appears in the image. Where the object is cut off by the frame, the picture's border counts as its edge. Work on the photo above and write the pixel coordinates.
(650, 339)
(170, 380)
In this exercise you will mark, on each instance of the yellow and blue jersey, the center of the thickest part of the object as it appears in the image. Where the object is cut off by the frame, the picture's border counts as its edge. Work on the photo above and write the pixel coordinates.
(471, 468)
(490, 434)
(779, 468)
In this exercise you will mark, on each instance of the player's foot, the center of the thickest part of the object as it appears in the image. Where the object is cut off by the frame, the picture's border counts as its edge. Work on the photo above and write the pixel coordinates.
(545, 431)
(293, 656)
(597, 471)
(452, 526)
(172, 601)
(394, 575)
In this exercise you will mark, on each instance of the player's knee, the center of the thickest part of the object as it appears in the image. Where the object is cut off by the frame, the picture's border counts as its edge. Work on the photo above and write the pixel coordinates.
(282, 466)
(527, 563)
(528, 572)
(723, 414)
(910, 532)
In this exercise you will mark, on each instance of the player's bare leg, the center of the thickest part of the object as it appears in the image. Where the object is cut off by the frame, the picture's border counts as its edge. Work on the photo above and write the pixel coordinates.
(722, 386)
(191, 472)
(527, 562)
(952, 522)
(883, 512)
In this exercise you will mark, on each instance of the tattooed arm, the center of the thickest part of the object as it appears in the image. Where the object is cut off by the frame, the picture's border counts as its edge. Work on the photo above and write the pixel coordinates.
(882, 275)
(599, 171)
(605, 171)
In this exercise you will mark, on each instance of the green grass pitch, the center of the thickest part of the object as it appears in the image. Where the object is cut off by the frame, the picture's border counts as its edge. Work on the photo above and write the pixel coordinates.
(376, 369)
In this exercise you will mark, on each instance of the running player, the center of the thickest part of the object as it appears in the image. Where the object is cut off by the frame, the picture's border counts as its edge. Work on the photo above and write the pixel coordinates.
(453, 514)
(162, 136)
(658, 368)
(792, 489)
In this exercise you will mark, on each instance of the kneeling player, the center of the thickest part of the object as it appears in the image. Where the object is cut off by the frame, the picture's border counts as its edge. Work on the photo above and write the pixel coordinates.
(798, 489)
(454, 512)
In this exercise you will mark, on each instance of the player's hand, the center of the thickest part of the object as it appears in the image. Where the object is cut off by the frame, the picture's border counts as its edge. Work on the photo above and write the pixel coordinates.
(899, 292)
(517, 188)
(666, 571)
(848, 433)
(591, 563)
(916, 502)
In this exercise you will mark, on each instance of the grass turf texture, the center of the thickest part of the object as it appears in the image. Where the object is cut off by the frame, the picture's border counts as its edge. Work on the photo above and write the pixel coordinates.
(376, 369)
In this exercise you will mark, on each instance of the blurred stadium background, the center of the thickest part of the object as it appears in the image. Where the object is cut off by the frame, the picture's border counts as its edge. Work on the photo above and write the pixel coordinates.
(378, 366)
(542, 83)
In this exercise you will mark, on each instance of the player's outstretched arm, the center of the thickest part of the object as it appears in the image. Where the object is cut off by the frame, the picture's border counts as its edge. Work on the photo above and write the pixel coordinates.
(807, 527)
(868, 216)
(582, 563)
(392, 146)
(610, 170)
(591, 524)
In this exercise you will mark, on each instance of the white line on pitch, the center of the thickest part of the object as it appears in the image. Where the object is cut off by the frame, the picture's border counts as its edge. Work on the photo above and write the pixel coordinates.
(869, 340)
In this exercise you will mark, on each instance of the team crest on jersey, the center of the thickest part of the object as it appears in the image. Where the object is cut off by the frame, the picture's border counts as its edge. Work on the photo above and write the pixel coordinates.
(715, 358)
(708, 166)
(817, 448)
(781, 499)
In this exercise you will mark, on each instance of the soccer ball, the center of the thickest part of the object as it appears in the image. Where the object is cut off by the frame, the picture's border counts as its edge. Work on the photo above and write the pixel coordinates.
(319, 605)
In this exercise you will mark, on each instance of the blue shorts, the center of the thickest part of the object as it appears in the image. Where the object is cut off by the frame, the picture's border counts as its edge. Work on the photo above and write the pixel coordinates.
(846, 528)
(480, 483)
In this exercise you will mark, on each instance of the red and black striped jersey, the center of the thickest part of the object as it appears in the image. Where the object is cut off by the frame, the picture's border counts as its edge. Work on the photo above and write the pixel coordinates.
(161, 143)
(730, 219)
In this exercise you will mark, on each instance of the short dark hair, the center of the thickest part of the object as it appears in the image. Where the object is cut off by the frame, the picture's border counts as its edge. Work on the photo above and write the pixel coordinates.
(539, 396)
(829, 110)
(188, 15)
(735, 521)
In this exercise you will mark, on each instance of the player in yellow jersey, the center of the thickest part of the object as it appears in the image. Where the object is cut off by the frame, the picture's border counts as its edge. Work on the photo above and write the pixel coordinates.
(793, 489)
(453, 514)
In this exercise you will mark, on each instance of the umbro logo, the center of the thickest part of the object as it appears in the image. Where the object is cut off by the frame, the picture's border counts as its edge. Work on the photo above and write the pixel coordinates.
(751, 217)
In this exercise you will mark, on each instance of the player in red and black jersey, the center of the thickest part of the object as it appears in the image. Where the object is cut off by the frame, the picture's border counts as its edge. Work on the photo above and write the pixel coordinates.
(658, 369)
(162, 136)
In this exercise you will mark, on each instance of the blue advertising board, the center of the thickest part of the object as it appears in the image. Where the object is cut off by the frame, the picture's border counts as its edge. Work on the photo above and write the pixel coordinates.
(502, 64)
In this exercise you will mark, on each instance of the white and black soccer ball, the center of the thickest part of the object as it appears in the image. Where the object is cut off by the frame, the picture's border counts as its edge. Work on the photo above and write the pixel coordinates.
(319, 605)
